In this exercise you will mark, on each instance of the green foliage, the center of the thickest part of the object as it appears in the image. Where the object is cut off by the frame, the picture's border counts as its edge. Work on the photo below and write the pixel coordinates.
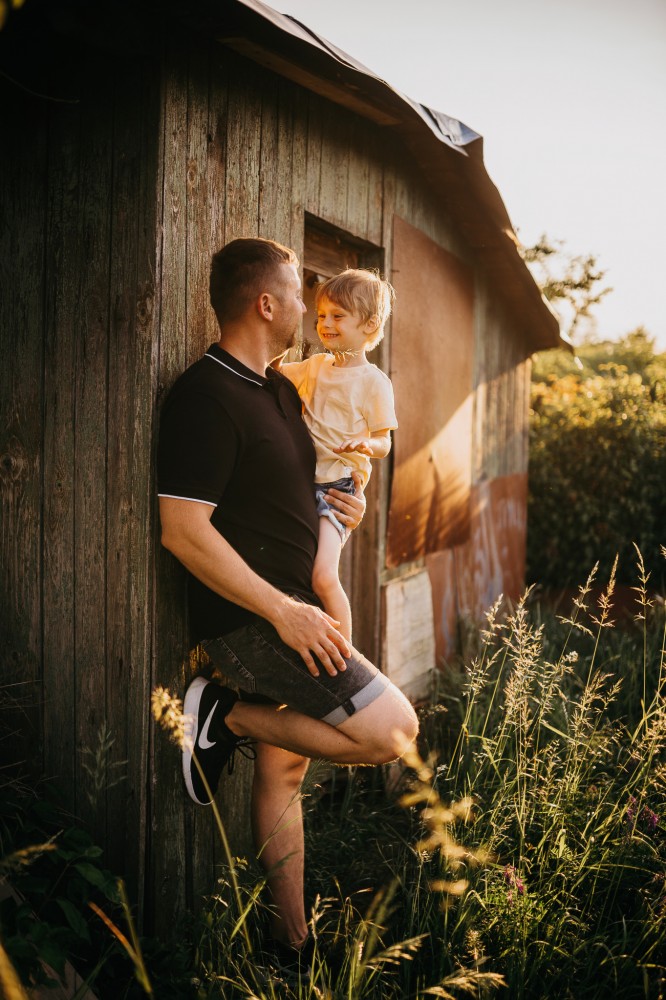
(562, 748)
(597, 461)
(56, 872)
(635, 353)
(63, 902)
(99, 767)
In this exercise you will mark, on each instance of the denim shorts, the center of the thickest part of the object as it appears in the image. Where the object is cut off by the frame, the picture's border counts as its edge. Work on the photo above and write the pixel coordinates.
(324, 509)
(266, 670)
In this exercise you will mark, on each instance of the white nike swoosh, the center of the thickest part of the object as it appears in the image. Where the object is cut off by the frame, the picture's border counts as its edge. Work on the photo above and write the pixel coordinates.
(203, 740)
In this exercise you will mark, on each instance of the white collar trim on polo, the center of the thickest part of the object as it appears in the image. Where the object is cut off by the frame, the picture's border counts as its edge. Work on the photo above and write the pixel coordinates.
(254, 381)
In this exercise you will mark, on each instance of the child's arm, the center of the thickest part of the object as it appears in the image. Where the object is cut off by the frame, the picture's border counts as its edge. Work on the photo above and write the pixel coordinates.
(378, 445)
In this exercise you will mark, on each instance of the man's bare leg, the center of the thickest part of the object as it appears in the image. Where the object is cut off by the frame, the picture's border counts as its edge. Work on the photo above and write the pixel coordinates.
(376, 734)
(277, 825)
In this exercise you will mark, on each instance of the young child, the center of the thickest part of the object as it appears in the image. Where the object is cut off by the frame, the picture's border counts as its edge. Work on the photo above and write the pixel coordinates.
(348, 407)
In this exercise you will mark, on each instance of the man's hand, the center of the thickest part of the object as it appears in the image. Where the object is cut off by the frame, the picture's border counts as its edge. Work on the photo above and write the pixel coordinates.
(349, 508)
(309, 630)
(361, 445)
(187, 532)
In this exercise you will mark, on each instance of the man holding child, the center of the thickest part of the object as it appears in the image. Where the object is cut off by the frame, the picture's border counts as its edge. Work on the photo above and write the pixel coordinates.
(236, 468)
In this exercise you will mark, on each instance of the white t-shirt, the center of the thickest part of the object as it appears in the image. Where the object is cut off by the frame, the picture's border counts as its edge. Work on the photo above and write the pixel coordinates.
(339, 404)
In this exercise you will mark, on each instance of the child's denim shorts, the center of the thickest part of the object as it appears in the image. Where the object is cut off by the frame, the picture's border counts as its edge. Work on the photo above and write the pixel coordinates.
(345, 485)
(255, 659)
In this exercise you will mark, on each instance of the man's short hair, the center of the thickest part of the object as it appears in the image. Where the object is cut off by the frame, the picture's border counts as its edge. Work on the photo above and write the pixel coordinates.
(361, 291)
(242, 270)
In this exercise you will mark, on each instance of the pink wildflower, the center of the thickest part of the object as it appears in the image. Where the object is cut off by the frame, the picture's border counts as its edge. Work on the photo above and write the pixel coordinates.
(649, 819)
(514, 881)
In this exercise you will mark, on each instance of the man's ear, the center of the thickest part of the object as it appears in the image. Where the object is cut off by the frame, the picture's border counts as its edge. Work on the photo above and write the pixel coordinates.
(265, 306)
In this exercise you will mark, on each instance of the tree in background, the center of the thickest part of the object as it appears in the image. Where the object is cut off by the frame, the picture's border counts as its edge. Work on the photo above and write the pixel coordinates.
(597, 466)
(570, 283)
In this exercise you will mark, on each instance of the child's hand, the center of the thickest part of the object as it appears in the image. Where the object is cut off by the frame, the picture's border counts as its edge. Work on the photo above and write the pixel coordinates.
(356, 444)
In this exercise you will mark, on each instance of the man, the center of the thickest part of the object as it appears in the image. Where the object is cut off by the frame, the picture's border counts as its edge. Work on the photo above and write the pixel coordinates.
(236, 467)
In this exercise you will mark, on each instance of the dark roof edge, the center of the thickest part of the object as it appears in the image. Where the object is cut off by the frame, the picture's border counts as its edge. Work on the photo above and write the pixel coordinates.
(449, 153)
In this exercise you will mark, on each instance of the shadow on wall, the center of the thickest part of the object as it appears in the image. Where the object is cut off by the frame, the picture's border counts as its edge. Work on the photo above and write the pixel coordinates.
(430, 497)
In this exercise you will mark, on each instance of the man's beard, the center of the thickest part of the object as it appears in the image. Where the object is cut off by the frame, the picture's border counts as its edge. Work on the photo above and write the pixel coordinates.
(282, 344)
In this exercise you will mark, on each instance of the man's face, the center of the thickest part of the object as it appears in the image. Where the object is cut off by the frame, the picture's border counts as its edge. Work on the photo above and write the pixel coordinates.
(289, 307)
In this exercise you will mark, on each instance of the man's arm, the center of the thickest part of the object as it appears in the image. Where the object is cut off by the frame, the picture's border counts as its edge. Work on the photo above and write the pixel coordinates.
(188, 534)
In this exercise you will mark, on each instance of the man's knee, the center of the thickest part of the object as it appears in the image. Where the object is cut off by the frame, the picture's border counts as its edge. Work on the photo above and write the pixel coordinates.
(397, 739)
(386, 728)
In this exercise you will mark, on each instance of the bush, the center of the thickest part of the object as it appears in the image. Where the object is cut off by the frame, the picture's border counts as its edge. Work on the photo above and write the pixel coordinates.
(597, 467)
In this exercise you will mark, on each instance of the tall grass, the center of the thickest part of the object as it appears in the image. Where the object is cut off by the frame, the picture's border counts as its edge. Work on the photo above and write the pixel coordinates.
(569, 782)
(521, 853)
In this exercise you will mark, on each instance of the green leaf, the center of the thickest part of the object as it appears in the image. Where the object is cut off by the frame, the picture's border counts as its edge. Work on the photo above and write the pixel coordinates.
(102, 880)
(93, 852)
(54, 955)
(75, 919)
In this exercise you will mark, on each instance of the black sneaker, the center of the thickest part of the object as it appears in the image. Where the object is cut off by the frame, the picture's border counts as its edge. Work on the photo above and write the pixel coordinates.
(295, 964)
(208, 738)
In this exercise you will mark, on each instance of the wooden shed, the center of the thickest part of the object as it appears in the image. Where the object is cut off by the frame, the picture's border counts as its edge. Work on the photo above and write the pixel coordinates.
(138, 138)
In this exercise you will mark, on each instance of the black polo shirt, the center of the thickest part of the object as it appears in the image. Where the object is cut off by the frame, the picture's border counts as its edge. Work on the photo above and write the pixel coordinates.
(235, 440)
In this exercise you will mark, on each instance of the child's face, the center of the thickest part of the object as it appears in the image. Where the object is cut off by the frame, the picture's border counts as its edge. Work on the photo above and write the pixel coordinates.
(340, 330)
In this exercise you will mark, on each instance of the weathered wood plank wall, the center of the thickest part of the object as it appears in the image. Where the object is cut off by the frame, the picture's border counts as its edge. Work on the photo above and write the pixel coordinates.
(21, 446)
(115, 207)
(79, 286)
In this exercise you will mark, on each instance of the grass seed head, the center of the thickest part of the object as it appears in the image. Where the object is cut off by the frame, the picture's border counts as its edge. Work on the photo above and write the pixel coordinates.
(168, 713)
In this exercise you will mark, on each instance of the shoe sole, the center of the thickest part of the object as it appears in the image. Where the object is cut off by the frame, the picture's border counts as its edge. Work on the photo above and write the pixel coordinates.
(191, 714)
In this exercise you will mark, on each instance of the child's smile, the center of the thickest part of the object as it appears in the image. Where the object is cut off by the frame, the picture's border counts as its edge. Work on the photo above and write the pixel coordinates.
(341, 331)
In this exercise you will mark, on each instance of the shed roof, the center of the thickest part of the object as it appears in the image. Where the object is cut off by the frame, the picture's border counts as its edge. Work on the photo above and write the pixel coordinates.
(449, 153)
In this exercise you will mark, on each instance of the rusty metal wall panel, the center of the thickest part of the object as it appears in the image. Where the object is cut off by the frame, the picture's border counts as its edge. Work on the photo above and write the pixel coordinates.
(493, 561)
(432, 347)
(468, 578)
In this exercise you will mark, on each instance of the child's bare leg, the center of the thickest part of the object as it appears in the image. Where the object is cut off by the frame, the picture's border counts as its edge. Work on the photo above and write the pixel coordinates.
(326, 577)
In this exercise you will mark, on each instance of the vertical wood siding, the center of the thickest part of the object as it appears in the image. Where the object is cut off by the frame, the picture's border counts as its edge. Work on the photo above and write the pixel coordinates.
(501, 378)
(78, 279)
(21, 444)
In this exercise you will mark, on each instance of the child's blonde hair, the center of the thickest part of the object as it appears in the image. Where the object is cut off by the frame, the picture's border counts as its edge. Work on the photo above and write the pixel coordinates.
(363, 292)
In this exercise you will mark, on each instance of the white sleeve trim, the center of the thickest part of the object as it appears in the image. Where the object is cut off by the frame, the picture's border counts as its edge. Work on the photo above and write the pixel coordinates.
(172, 496)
